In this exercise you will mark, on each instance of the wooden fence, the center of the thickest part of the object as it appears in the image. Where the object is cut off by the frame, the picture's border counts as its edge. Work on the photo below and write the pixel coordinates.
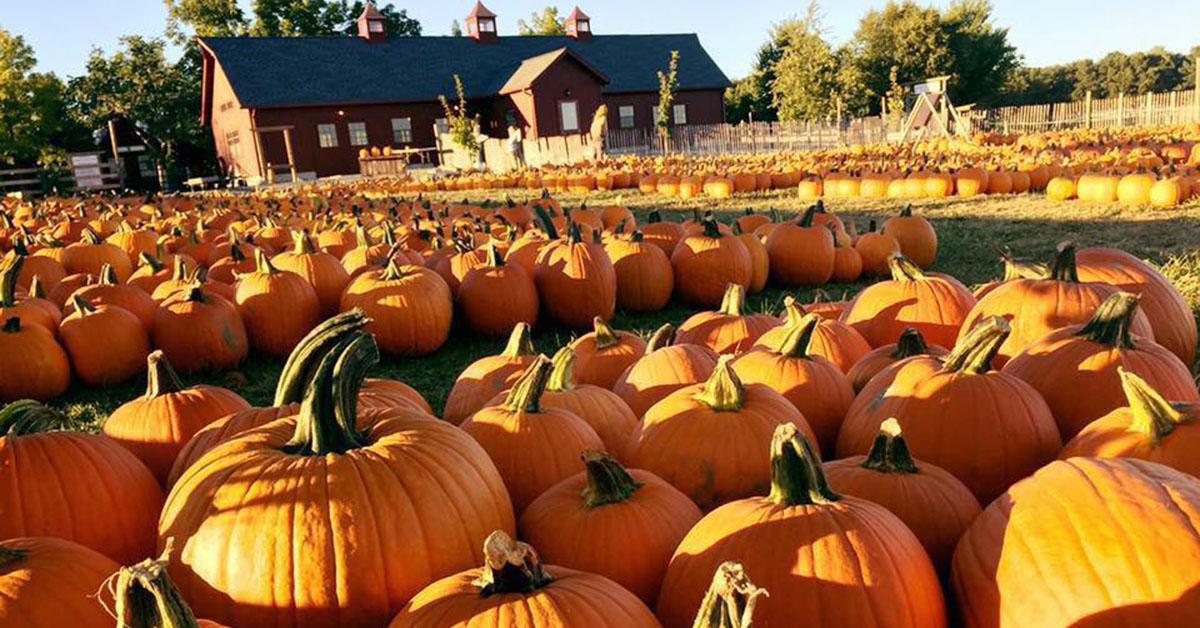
(753, 137)
(563, 150)
(1178, 107)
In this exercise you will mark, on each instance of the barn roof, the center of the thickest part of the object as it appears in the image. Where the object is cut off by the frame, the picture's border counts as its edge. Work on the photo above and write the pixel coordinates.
(301, 71)
(533, 67)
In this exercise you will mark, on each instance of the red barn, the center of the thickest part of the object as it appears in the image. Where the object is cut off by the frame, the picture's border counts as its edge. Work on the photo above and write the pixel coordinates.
(325, 98)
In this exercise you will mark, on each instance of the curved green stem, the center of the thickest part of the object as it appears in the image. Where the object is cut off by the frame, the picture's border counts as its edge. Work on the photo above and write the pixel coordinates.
(10, 556)
(605, 335)
(147, 598)
(161, 378)
(723, 392)
(730, 600)
(520, 342)
(1111, 324)
(510, 566)
(975, 352)
(1064, 268)
(904, 269)
(562, 375)
(1153, 415)
(10, 270)
(607, 481)
(81, 305)
(29, 417)
(910, 343)
(806, 220)
(661, 338)
(306, 357)
(711, 229)
(795, 342)
(797, 478)
(889, 453)
(328, 414)
(526, 394)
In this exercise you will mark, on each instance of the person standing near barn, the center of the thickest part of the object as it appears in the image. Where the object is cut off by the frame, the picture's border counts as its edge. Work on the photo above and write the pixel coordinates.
(515, 148)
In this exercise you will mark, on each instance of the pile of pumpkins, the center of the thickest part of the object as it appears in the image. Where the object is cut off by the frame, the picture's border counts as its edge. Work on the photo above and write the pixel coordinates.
(1159, 166)
(89, 289)
(921, 455)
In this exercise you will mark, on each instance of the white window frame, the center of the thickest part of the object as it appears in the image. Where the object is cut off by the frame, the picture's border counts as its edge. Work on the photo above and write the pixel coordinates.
(402, 131)
(358, 133)
(627, 121)
(487, 26)
(562, 115)
(583, 26)
(327, 135)
(679, 114)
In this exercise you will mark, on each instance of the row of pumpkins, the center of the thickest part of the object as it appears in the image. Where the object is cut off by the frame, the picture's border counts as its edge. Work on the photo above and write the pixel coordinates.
(1029, 447)
(207, 290)
(1157, 159)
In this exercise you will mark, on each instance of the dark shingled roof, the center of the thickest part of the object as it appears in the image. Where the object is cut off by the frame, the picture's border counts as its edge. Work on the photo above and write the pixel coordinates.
(298, 71)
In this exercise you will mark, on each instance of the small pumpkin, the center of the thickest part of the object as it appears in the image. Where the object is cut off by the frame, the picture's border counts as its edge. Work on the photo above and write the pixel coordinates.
(645, 278)
(496, 296)
(323, 270)
(911, 343)
(728, 330)
(604, 353)
(35, 366)
(107, 344)
(664, 368)
(277, 307)
(706, 263)
(917, 238)
(200, 330)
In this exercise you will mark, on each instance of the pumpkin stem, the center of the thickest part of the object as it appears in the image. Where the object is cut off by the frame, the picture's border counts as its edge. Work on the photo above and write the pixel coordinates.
(654, 216)
(28, 417)
(12, 325)
(327, 420)
(147, 598)
(526, 395)
(734, 300)
(1153, 415)
(974, 353)
(305, 358)
(562, 376)
(607, 481)
(711, 230)
(661, 338)
(494, 258)
(510, 566)
(89, 236)
(37, 289)
(809, 214)
(179, 270)
(10, 556)
(81, 305)
(906, 211)
(301, 243)
(904, 269)
(147, 259)
(723, 392)
(910, 343)
(637, 236)
(263, 263)
(795, 342)
(605, 336)
(1110, 325)
(108, 276)
(797, 478)
(730, 600)
(889, 453)
(793, 311)
(520, 342)
(9, 272)
(574, 233)
(1064, 268)
(161, 378)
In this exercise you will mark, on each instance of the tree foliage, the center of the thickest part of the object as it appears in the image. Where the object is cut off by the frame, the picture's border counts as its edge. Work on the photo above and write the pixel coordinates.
(1156, 70)
(206, 18)
(313, 18)
(668, 85)
(34, 126)
(805, 84)
(544, 22)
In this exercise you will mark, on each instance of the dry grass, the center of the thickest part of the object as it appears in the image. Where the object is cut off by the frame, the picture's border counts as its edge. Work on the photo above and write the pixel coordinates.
(969, 232)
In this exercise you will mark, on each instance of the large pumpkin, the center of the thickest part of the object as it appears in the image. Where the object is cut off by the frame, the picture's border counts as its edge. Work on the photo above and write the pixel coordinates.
(665, 368)
(200, 330)
(706, 263)
(618, 523)
(987, 427)
(487, 377)
(1036, 307)
(1148, 427)
(603, 354)
(509, 587)
(801, 253)
(104, 497)
(156, 426)
(936, 305)
(934, 504)
(576, 280)
(814, 385)
(347, 555)
(410, 308)
(709, 440)
(29, 312)
(645, 278)
(1087, 358)
(278, 307)
(47, 582)
(496, 296)
(35, 366)
(918, 241)
(729, 329)
(844, 560)
(1115, 543)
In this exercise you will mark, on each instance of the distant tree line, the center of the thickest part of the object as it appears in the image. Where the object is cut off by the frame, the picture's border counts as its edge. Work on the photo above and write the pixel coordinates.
(799, 75)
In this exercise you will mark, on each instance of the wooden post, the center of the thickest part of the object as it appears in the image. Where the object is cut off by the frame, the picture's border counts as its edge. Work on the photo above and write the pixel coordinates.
(1174, 103)
(258, 153)
(112, 138)
(1121, 109)
(1087, 110)
(287, 145)
(1149, 107)
(1196, 95)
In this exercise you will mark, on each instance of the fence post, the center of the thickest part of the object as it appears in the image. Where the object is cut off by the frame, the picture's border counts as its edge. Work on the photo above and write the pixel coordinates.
(1196, 96)
(1171, 111)
(1121, 109)
(1087, 110)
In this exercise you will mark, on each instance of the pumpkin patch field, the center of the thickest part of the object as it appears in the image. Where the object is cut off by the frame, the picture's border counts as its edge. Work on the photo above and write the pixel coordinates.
(349, 404)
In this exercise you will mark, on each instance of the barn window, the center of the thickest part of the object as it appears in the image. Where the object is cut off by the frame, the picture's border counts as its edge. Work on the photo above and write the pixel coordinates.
(569, 113)
(327, 135)
(680, 114)
(358, 133)
(402, 130)
(625, 112)
(443, 126)
(375, 26)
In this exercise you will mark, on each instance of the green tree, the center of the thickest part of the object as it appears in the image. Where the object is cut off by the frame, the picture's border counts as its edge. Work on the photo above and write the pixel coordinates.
(34, 126)
(982, 58)
(805, 85)
(314, 18)
(206, 18)
(905, 35)
(137, 82)
(544, 22)
(456, 29)
(668, 85)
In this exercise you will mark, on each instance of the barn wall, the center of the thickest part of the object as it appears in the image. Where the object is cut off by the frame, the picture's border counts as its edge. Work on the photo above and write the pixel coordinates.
(230, 122)
(704, 107)
(553, 86)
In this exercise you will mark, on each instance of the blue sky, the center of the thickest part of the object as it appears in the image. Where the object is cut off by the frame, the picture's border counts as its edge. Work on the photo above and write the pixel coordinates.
(1044, 31)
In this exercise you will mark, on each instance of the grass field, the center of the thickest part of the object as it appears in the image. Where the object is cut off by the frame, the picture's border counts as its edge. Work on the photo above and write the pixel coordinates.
(968, 231)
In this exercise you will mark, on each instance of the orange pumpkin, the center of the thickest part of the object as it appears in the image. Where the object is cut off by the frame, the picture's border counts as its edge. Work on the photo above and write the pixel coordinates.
(936, 305)
(199, 330)
(46, 581)
(911, 343)
(487, 377)
(496, 296)
(576, 280)
(801, 253)
(323, 270)
(35, 366)
(727, 330)
(106, 344)
(918, 241)
(664, 368)
(706, 263)
(410, 308)
(602, 355)
(645, 279)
